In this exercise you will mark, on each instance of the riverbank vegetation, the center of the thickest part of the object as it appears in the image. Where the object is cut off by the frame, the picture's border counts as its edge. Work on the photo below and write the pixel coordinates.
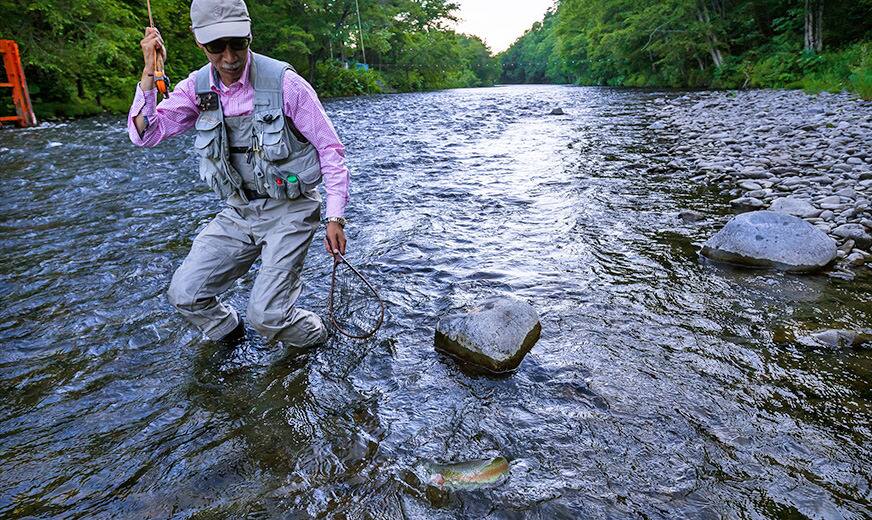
(811, 44)
(83, 57)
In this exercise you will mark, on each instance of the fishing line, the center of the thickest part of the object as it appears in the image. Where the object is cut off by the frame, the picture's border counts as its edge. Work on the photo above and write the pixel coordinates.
(353, 305)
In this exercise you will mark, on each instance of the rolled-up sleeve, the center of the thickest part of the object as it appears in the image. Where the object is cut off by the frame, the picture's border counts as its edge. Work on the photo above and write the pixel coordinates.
(170, 117)
(302, 105)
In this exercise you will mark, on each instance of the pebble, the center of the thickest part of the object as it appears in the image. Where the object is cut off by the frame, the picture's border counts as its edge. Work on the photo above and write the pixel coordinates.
(747, 203)
(855, 260)
(855, 232)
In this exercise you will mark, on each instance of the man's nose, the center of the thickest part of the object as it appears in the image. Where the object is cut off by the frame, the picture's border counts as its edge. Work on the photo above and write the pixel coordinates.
(228, 56)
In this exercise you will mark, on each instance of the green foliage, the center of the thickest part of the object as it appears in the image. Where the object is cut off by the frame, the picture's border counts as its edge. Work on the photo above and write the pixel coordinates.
(533, 58)
(83, 57)
(695, 43)
(848, 69)
(334, 80)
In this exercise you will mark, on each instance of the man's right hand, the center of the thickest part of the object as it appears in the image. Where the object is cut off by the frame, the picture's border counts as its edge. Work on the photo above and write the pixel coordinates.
(150, 43)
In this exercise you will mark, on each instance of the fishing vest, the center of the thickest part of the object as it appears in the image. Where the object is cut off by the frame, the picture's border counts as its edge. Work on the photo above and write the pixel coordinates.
(262, 152)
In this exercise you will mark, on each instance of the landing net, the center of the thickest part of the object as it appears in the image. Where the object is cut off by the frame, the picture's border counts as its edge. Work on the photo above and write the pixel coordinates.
(354, 306)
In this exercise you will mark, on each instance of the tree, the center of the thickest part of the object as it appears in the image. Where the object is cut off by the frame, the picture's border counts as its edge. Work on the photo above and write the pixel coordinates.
(814, 18)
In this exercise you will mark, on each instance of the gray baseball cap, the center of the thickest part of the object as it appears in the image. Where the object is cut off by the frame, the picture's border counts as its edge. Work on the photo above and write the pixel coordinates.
(214, 19)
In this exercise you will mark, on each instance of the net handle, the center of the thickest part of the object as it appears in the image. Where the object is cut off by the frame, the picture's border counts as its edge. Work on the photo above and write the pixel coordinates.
(381, 302)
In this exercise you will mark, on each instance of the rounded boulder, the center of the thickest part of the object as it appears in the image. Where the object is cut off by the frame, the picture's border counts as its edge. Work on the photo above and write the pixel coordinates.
(771, 239)
(495, 336)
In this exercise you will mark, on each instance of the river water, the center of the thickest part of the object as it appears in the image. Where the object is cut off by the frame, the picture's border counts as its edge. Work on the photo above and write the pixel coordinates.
(663, 386)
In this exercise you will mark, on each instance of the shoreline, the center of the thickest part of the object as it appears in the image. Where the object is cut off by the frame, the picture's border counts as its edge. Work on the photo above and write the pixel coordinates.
(852, 96)
(784, 150)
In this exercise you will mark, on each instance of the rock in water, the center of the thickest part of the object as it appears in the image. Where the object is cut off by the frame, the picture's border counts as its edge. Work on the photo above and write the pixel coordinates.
(689, 215)
(557, 112)
(771, 239)
(842, 338)
(495, 336)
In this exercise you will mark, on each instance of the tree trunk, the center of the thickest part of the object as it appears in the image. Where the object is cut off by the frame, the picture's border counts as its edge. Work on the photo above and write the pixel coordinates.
(710, 36)
(814, 17)
(312, 61)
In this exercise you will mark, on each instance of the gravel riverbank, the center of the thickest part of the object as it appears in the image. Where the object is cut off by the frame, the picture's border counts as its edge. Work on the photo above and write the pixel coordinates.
(806, 155)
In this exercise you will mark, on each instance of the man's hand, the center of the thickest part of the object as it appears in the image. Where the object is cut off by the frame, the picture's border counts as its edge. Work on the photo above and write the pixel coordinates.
(150, 43)
(334, 242)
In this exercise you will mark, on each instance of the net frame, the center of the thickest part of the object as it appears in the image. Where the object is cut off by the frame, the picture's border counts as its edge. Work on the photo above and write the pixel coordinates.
(331, 308)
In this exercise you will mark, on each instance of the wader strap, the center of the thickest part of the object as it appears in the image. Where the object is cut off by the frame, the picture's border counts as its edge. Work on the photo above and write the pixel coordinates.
(266, 77)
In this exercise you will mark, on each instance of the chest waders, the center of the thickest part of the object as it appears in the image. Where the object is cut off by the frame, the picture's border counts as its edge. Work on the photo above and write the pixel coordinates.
(261, 153)
(253, 157)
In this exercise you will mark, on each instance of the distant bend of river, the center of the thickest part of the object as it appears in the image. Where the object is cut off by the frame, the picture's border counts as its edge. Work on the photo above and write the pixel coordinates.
(661, 387)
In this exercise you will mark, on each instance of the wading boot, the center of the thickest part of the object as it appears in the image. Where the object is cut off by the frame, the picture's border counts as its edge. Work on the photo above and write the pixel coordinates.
(234, 337)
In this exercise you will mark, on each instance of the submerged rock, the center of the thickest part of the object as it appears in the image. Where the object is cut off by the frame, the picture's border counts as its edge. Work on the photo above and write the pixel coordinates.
(495, 336)
(689, 215)
(842, 338)
(771, 239)
(557, 112)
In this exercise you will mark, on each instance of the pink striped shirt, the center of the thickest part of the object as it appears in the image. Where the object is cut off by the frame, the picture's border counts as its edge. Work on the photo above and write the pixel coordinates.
(179, 112)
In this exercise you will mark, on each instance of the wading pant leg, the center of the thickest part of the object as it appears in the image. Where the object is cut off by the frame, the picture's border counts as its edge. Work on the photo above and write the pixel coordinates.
(286, 230)
(220, 254)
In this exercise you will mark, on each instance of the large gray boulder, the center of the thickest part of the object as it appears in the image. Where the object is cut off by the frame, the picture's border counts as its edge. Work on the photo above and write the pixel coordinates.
(495, 336)
(771, 239)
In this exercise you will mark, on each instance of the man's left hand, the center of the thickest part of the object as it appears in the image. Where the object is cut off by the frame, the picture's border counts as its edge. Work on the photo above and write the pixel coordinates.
(334, 242)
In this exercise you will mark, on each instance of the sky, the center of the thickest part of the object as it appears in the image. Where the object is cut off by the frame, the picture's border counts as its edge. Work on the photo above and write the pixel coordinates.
(500, 22)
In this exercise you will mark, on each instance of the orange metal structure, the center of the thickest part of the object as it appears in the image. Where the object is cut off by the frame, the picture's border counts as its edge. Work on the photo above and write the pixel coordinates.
(15, 79)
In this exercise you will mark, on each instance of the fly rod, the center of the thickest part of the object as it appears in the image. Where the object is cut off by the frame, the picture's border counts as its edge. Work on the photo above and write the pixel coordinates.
(161, 80)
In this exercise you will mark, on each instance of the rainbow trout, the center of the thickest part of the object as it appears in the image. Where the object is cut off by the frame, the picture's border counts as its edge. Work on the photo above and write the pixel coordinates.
(471, 474)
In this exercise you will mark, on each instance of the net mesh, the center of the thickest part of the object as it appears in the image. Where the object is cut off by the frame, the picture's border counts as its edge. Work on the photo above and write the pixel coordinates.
(355, 308)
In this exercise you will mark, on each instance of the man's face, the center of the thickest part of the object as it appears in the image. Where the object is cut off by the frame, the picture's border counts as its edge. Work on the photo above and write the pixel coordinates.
(230, 61)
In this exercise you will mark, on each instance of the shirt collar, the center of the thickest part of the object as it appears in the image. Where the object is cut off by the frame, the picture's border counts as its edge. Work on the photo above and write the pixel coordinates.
(218, 86)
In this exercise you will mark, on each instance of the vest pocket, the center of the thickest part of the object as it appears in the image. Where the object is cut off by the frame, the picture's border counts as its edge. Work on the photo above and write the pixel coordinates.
(220, 184)
(308, 167)
(272, 125)
(208, 140)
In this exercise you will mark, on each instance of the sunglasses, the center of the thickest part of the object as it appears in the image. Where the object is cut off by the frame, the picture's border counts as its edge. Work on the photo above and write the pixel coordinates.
(218, 46)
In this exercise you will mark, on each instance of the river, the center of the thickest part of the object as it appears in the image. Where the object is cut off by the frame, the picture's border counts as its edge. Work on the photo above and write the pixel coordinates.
(664, 386)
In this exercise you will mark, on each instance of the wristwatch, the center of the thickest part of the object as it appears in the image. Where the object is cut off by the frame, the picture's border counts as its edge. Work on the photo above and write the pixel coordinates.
(339, 220)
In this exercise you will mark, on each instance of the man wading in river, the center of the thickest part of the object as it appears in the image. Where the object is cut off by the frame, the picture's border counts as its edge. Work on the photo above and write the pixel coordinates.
(264, 142)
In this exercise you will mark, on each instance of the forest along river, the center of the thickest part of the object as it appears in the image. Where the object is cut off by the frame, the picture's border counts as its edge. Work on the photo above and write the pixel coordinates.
(661, 387)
